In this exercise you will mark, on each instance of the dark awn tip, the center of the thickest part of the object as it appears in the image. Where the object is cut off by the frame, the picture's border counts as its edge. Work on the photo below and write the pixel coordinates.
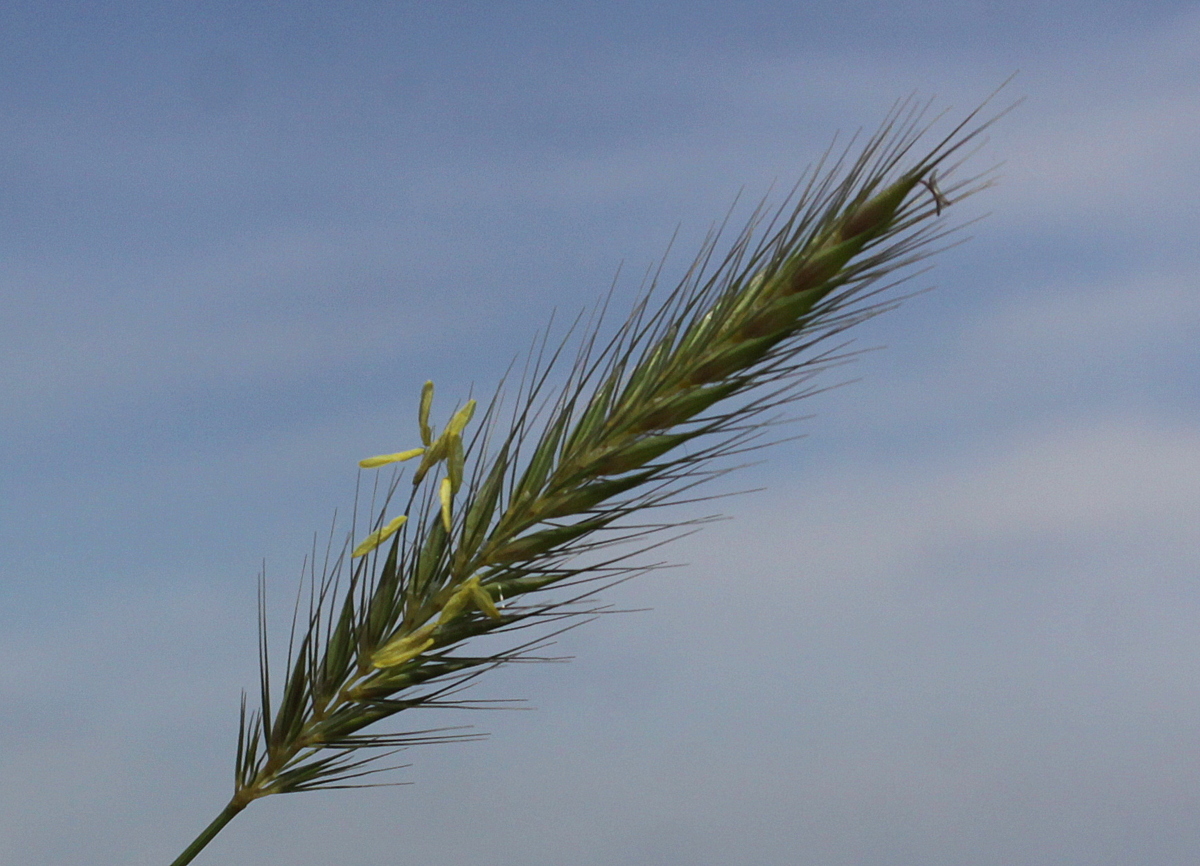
(939, 200)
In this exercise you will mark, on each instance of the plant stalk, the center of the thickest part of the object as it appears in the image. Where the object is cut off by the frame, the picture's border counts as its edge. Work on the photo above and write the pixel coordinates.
(209, 832)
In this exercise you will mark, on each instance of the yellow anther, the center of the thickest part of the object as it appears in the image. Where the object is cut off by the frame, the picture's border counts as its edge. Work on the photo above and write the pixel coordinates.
(446, 493)
(402, 649)
(470, 594)
(379, 536)
(444, 445)
(483, 600)
(385, 459)
(460, 420)
(423, 413)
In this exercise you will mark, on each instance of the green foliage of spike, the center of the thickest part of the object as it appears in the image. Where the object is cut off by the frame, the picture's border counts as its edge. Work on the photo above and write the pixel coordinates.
(579, 500)
(679, 408)
(544, 542)
(591, 425)
(636, 454)
(383, 605)
(534, 479)
(425, 578)
(481, 510)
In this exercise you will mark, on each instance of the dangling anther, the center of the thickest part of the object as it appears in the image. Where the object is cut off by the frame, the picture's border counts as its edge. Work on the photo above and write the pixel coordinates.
(939, 200)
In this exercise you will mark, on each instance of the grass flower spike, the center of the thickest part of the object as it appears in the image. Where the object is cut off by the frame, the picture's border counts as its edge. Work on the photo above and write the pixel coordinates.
(544, 503)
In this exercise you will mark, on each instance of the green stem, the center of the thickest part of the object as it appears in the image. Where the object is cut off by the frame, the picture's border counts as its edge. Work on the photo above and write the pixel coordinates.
(209, 832)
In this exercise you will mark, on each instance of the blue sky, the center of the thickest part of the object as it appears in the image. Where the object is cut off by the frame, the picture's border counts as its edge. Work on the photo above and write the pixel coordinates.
(960, 624)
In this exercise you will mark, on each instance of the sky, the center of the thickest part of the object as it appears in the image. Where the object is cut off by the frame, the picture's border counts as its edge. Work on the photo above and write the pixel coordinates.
(958, 626)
